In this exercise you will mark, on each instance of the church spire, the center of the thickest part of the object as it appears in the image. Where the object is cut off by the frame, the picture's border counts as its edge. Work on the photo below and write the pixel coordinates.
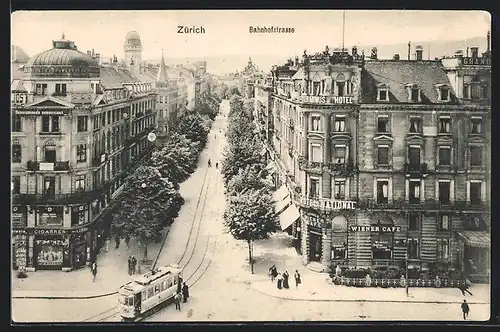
(162, 73)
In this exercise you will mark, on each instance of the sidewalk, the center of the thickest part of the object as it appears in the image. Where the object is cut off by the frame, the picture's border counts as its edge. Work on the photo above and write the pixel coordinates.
(112, 272)
(318, 286)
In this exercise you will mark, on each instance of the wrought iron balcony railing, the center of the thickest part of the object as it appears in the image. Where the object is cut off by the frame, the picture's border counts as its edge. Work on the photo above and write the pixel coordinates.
(415, 168)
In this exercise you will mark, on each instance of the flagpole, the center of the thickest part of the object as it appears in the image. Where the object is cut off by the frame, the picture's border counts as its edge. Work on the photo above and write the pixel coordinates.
(343, 29)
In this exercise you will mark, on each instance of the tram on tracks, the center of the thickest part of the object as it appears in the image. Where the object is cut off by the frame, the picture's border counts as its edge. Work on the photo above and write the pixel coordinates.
(149, 292)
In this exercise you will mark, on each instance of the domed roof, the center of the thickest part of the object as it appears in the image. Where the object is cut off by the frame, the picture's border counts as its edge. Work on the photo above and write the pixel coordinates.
(63, 53)
(133, 38)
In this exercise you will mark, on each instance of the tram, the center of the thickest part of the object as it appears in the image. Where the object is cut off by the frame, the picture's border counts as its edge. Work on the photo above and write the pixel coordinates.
(149, 292)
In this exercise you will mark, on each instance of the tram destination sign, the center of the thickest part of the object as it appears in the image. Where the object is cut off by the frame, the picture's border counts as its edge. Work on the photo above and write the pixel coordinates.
(375, 229)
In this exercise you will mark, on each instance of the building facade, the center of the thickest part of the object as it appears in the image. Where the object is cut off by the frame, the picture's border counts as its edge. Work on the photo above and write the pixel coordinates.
(384, 161)
(77, 129)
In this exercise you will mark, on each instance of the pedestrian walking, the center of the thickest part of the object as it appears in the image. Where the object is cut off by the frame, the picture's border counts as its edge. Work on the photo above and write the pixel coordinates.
(107, 244)
(464, 288)
(286, 275)
(185, 292)
(177, 301)
(338, 271)
(273, 272)
(127, 241)
(129, 265)
(94, 271)
(117, 241)
(279, 282)
(465, 309)
(209, 163)
(134, 264)
(297, 279)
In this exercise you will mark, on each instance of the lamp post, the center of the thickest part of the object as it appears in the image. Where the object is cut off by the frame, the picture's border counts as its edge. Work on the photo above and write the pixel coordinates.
(406, 263)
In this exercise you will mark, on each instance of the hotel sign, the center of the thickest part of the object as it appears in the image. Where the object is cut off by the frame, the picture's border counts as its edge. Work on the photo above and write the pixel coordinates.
(325, 100)
(476, 61)
(41, 112)
(328, 204)
(375, 229)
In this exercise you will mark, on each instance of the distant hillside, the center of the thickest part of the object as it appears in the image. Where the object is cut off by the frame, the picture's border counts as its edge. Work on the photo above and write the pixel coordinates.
(221, 65)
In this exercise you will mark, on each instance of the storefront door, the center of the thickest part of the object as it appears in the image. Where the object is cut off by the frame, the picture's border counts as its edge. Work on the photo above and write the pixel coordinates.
(315, 246)
(475, 260)
(79, 255)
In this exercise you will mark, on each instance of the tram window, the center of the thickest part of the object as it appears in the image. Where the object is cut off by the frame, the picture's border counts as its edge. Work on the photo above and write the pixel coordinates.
(169, 282)
(157, 289)
(129, 301)
(144, 295)
(150, 292)
(163, 285)
(175, 281)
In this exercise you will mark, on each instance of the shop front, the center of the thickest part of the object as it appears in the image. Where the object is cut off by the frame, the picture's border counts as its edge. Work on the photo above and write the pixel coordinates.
(315, 236)
(475, 249)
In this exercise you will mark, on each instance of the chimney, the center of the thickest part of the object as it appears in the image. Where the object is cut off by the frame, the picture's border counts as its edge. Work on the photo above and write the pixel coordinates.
(419, 50)
(474, 52)
(395, 57)
(93, 54)
(467, 52)
(296, 60)
(373, 55)
(89, 53)
(354, 51)
(98, 58)
(409, 50)
(459, 54)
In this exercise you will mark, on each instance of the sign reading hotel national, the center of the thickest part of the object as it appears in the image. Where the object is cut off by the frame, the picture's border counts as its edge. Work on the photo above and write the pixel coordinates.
(333, 205)
(325, 100)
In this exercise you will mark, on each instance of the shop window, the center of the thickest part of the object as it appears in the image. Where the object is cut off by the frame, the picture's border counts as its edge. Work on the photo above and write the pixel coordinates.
(414, 194)
(340, 154)
(81, 152)
(444, 192)
(475, 192)
(413, 248)
(414, 221)
(17, 123)
(50, 124)
(314, 188)
(82, 123)
(16, 185)
(415, 124)
(444, 222)
(382, 243)
(50, 252)
(382, 191)
(16, 152)
(443, 249)
(316, 123)
(383, 125)
(476, 156)
(339, 189)
(60, 89)
(382, 155)
(339, 237)
(444, 125)
(444, 155)
(476, 126)
(340, 123)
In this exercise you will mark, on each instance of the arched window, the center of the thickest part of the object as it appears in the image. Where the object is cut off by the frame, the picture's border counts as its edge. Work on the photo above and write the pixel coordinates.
(339, 238)
(16, 152)
(50, 152)
(382, 238)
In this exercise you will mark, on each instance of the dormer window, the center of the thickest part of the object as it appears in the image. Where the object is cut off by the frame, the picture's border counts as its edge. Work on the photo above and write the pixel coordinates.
(413, 93)
(382, 92)
(443, 91)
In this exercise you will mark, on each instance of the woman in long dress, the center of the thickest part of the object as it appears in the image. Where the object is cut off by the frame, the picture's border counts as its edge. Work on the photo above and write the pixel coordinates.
(280, 281)
(285, 280)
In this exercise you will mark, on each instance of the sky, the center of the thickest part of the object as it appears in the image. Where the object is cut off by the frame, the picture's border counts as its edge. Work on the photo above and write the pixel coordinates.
(227, 32)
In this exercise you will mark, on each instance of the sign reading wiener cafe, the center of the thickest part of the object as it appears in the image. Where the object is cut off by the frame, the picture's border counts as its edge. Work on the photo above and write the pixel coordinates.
(375, 229)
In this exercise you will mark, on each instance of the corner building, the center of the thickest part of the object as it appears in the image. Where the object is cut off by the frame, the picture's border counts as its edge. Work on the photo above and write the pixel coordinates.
(76, 131)
(384, 161)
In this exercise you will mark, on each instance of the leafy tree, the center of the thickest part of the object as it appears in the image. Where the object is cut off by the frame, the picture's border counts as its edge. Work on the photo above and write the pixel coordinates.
(234, 91)
(252, 176)
(250, 217)
(238, 155)
(148, 203)
(194, 128)
(177, 158)
(204, 109)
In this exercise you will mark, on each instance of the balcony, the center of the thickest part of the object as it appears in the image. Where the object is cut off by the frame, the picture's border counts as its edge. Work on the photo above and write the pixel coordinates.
(429, 204)
(341, 169)
(58, 166)
(416, 169)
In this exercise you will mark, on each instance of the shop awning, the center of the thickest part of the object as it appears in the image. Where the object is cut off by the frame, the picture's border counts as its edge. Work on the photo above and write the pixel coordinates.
(289, 216)
(281, 194)
(478, 239)
(281, 205)
(271, 168)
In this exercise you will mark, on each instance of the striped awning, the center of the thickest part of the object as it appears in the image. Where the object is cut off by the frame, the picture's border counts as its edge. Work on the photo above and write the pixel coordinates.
(281, 193)
(271, 167)
(478, 239)
(289, 216)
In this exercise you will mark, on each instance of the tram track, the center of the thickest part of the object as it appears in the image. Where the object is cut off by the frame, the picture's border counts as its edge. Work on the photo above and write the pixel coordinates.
(112, 314)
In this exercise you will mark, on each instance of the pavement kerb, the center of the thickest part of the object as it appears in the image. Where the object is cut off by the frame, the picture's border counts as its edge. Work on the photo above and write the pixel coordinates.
(361, 300)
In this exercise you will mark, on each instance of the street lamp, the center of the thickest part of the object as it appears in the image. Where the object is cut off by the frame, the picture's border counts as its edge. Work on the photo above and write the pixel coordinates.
(406, 283)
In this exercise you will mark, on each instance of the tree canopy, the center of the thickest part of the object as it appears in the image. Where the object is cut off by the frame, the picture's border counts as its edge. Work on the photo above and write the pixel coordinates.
(194, 127)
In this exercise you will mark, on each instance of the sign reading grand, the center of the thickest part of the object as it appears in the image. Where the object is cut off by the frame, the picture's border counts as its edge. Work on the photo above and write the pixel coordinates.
(325, 100)
(476, 61)
(41, 112)
(383, 229)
